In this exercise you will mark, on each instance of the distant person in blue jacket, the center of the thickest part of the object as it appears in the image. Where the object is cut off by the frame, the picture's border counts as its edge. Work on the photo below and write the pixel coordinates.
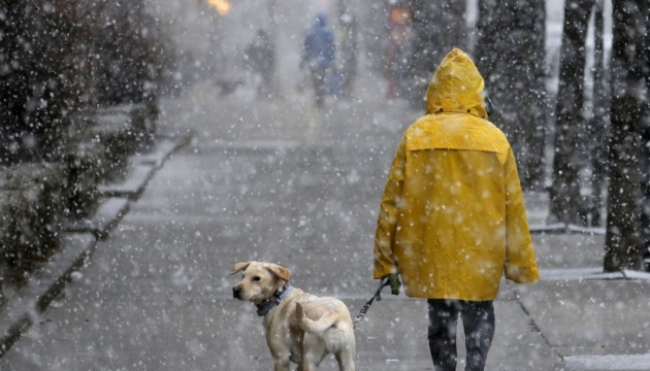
(318, 55)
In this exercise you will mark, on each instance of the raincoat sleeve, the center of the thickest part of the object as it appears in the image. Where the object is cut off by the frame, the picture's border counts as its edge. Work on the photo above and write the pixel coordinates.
(521, 264)
(387, 222)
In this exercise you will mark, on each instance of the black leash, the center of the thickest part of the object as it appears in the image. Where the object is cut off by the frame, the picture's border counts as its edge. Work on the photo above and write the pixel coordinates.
(362, 313)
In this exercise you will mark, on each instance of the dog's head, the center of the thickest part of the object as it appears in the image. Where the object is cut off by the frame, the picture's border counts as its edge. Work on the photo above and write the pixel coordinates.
(260, 280)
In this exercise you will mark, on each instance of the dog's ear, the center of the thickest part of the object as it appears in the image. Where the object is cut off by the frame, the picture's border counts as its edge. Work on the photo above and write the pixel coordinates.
(239, 267)
(278, 271)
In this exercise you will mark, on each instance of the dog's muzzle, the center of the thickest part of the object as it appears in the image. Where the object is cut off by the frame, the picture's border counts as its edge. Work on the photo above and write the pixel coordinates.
(236, 292)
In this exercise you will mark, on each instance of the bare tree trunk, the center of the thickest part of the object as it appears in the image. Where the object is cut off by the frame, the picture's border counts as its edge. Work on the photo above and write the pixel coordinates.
(529, 114)
(623, 238)
(426, 53)
(488, 30)
(622, 241)
(456, 26)
(599, 125)
(438, 27)
(511, 56)
(570, 131)
(645, 131)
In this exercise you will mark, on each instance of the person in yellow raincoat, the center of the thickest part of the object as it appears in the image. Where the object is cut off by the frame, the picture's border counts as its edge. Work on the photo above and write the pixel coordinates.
(452, 216)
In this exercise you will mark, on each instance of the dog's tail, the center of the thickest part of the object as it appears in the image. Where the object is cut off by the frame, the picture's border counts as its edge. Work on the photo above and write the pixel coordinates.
(327, 321)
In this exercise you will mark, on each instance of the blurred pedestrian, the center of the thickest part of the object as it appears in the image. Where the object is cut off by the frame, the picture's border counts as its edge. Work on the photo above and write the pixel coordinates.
(318, 56)
(452, 216)
(398, 50)
(261, 60)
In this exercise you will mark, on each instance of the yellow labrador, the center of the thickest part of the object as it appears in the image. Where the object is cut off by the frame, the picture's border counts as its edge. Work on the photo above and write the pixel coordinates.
(300, 327)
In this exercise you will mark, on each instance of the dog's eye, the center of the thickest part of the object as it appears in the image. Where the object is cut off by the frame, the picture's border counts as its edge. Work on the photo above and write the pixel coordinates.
(256, 278)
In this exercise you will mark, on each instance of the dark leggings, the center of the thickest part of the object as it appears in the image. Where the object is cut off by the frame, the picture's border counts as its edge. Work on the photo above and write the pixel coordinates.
(478, 323)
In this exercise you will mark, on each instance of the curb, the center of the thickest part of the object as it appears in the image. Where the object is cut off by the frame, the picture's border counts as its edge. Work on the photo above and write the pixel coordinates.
(108, 215)
(79, 241)
(562, 228)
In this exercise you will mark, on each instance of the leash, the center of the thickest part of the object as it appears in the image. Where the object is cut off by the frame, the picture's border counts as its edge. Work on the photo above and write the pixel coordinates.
(362, 313)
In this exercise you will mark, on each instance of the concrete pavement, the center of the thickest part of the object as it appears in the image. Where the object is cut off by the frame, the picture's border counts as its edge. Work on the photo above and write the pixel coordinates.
(279, 181)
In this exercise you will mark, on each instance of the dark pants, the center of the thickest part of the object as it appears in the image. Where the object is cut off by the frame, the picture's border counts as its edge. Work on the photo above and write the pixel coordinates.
(478, 323)
(319, 81)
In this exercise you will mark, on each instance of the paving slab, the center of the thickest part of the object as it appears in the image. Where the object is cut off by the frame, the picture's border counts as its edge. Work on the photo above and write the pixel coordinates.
(608, 362)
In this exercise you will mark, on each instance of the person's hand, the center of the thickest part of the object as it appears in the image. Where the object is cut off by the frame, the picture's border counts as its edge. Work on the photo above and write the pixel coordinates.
(395, 284)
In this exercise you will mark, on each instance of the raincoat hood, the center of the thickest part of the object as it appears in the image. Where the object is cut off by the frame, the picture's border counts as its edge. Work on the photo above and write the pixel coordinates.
(456, 86)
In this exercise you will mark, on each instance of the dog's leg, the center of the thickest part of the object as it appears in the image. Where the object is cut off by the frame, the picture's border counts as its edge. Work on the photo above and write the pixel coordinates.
(281, 365)
(307, 366)
(346, 354)
(312, 358)
(279, 352)
(345, 359)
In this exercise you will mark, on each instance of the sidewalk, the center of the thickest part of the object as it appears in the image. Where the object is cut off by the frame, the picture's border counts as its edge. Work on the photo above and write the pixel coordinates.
(79, 239)
(302, 191)
(594, 321)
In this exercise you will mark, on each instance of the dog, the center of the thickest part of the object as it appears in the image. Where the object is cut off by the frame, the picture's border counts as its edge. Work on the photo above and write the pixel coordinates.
(300, 328)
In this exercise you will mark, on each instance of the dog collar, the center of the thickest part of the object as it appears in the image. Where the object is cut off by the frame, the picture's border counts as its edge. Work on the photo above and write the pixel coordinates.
(264, 307)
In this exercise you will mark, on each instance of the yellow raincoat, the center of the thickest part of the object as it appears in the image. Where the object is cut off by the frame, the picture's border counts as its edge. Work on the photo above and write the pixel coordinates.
(452, 216)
